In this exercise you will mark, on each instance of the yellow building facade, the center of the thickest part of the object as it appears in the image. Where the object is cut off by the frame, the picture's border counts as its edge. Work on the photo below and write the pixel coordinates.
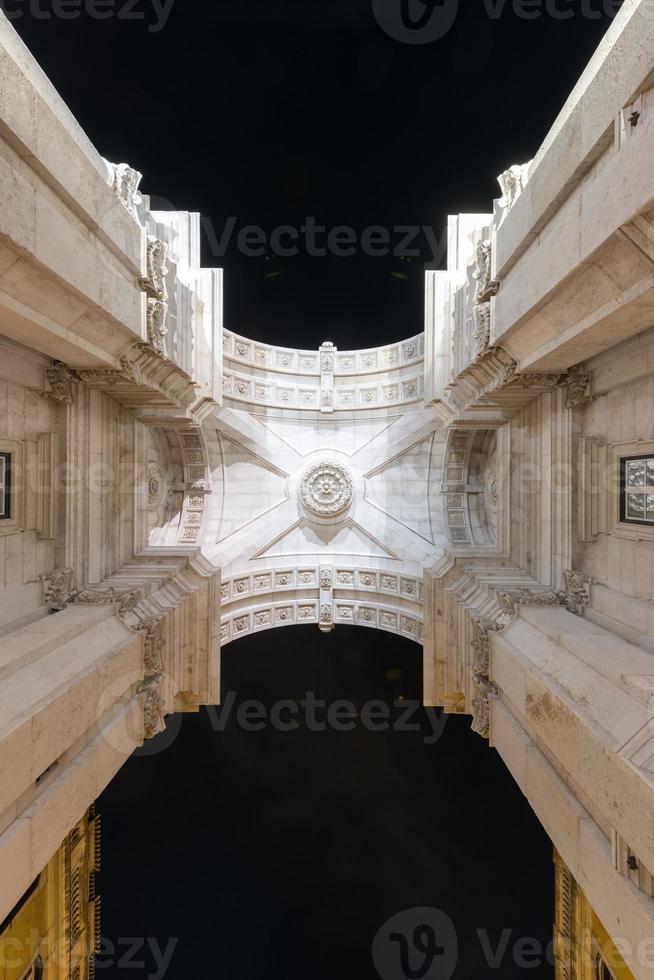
(583, 948)
(53, 932)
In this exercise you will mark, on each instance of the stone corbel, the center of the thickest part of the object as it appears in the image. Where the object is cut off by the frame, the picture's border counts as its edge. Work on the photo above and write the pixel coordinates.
(125, 185)
(153, 706)
(153, 645)
(482, 336)
(58, 589)
(486, 286)
(59, 380)
(578, 383)
(577, 595)
(326, 615)
(484, 687)
(154, 281)
(485, 690)
(156, 326)
(512, 183)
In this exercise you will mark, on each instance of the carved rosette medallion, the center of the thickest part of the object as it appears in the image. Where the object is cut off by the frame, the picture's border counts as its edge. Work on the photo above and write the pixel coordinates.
(326, 489)
(156, 486)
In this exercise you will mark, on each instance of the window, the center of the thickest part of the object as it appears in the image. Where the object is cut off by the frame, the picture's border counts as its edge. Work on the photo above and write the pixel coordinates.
(35, 971)
(603, 972)
(637, 490)
(5, 486)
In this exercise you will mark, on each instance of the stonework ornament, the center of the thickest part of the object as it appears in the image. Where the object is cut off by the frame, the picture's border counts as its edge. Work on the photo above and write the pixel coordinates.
(577, 595)
(485, 690)
(60, 378)
(153, 644)
(57, 589)
(153, 706)
(486, 286)
(482, 328)
(156, 486)
(326, 624)
(154, 281)
(156, 326)
(125, 185)
(578, 384)
(125, 600)
(481, 650)
(513, 182)
(326, 489)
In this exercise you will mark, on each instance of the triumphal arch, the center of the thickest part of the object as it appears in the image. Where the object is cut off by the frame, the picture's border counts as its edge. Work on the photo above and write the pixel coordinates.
(485, 489)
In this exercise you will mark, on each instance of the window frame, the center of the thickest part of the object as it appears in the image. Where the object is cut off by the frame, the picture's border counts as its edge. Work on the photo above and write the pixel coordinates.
(7, 457)
(625, 490)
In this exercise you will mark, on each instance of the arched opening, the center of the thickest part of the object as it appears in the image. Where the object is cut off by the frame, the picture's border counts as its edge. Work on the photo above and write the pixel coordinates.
(279, 850)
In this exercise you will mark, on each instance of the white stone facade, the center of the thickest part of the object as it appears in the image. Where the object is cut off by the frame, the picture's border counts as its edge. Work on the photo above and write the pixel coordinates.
(176, 486)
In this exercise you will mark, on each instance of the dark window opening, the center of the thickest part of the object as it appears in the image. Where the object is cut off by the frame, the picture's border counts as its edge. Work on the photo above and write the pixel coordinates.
(5, 486)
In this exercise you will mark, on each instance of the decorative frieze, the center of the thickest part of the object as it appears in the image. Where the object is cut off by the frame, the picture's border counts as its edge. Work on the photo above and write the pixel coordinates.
(509, 601)
(124, 601)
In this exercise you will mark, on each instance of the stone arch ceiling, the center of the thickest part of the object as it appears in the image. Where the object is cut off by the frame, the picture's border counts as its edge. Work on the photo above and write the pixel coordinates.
(326, 474)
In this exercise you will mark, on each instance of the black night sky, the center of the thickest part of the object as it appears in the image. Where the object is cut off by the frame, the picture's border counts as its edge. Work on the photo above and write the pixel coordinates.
(272, 854)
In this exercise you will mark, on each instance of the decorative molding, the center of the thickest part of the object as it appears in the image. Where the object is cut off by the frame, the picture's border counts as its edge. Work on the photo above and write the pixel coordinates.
(486, 285)
(153, 645)
(485, 690)
(154, 281)
(156, 326)
(325, 380)
(482, 335)
(577, 595)
(58, 589)
(327, 357)
(578, 382)
(124, 600)
(326, 489)
(59, 380)
(512, 183)
(153, 706)
(125, 185)
(510, 601)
